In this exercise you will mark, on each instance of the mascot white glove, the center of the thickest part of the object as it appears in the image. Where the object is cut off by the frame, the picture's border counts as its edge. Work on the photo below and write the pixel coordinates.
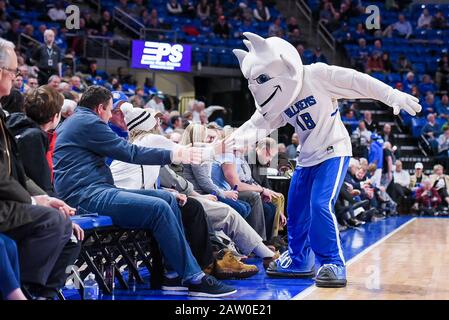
(402, 101)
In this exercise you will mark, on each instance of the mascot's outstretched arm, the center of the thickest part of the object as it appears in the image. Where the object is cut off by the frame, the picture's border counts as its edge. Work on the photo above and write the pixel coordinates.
(255, 129)
(351, 84)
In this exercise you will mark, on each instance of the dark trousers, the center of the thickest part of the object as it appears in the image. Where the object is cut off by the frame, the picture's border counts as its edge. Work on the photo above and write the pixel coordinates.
(44, 250)
(196, 230)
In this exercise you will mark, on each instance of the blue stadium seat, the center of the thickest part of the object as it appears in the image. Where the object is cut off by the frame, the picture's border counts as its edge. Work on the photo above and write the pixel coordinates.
(89, 222)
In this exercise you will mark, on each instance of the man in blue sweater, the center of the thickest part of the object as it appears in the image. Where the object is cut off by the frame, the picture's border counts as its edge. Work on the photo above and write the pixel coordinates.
(83, 180)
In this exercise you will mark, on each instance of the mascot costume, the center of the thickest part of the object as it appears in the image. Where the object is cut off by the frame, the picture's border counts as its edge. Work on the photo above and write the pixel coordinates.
(285, 91)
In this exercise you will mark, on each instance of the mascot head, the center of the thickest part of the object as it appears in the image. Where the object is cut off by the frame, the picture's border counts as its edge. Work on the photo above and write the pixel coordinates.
(274, 71)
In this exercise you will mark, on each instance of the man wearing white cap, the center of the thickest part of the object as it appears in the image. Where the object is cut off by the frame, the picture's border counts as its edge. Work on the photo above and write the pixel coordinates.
(418, 177)
(83, 179)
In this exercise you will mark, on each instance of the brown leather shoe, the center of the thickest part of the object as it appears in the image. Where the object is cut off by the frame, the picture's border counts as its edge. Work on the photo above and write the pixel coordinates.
(228, 266)
(267, 261)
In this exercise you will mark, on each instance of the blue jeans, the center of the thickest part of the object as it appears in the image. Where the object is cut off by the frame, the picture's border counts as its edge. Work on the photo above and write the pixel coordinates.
(312, 225)
(9, 266)
(269, 211)
(154, 210)
(242, 207)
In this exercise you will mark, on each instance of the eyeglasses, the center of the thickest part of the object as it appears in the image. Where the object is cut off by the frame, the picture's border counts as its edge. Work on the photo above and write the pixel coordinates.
(15, 72)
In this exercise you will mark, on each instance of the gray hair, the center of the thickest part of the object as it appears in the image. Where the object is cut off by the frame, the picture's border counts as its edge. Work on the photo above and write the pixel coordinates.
(5, 45)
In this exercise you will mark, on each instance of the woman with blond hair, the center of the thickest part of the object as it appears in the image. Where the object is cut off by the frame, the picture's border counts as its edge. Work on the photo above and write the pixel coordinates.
(220, 216)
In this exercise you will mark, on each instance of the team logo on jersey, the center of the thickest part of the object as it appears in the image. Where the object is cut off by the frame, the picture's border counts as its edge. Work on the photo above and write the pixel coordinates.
(300, 105)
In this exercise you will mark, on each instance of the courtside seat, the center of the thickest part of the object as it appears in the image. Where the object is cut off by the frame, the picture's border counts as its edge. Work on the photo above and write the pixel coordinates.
(89, 222)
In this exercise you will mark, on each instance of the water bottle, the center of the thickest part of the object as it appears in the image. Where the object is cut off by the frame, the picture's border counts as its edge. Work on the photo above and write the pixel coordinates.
(109, 273)
(91, 291)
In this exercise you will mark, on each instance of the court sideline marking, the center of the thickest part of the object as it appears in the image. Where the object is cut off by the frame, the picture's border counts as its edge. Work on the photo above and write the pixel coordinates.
(303, 294)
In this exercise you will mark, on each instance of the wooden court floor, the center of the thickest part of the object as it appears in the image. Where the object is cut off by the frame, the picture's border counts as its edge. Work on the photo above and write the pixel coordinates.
(410, 263)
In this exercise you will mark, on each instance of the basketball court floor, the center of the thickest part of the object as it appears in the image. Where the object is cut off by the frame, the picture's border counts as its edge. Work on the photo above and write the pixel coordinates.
(397, 258)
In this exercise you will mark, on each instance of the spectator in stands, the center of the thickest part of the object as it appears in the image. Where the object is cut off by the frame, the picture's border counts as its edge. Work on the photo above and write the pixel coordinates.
(9, 270)
(14, 31)
(442, 74)
(362, 136)
(292, 149)
(136, 8)
(156, 103)
(175, 123)
(418, 177)
(431, 131)
(362, 54)
(295, 38)
(318, 56)
(409, 82)
(427, 198)
(402, 27)
(138, 99)
(387, 64)
(350, 120)
(32, 82)
(200, 176)
(404, 65)
(76, 84)
(124, 6)
(67, 109)
(327, 13)
(222, 28)
(84, 140)
(292, 24)
(401, 182)
(427, 85)
(443, 145)
(359, 32)
(375, 63)
(370, 124)
(387, 135)
(376, 156)
(439, 21)
(440, 182)
(188, 9)
(48, 58)
(54, 81)
(259, 161)
(43, 112)
(424, 20)
(36, 222)
(174, 8)
(203, 9)
(388, 161)
(428, 105)
(106, 20)
(57, 13)
(443, 107)
(275, 29)
(19, 85)
(261, 12)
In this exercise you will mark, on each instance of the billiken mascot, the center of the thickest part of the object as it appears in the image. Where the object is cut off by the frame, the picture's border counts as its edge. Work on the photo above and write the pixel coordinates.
(285, 91)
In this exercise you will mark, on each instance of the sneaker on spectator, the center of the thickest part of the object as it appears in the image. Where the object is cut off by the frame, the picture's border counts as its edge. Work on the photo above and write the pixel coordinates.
(174, 286)
(267, 261)
(209, 287)
(228, 266)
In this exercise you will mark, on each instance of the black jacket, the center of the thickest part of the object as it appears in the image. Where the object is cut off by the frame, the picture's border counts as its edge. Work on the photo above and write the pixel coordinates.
(33, 147)
(13, 193)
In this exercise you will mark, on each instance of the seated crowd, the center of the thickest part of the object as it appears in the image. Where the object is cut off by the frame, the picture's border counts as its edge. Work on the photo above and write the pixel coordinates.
(97, 153)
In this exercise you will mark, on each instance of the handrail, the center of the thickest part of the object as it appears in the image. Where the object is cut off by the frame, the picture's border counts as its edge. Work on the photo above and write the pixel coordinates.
(144, 31)
(305, 9)
(122, 17)
(326, 35)
(170, 81)
(22, 35)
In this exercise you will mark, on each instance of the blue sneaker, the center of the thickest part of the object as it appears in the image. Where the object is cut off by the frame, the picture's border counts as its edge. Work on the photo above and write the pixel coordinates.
(210, 287)
(331, 276)
(283, 268)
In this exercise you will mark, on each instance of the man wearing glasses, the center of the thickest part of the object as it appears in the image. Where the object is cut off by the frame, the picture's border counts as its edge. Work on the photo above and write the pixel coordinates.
(39, 224)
